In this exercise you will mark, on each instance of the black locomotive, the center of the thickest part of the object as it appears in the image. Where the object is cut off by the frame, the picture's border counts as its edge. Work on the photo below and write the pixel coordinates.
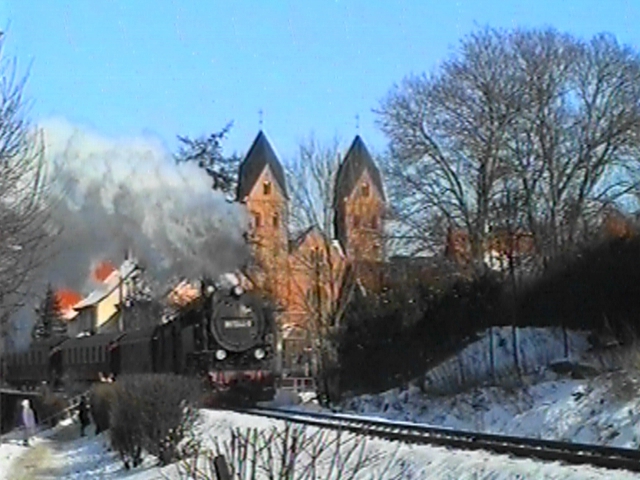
(227, 336)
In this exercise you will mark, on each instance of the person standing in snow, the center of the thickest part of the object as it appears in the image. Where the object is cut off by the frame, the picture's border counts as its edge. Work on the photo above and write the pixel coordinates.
(28, 421)
(83, 415)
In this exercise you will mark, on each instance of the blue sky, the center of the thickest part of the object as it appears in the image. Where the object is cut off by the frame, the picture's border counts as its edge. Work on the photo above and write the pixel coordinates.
(162, 68)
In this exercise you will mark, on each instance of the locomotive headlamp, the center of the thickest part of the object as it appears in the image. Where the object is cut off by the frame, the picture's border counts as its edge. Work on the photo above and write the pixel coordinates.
(237, 290)
(210, 289)
(259, 353)
(221, 354)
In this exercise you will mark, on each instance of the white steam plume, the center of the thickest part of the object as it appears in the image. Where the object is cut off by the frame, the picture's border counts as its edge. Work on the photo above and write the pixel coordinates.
(120, 194)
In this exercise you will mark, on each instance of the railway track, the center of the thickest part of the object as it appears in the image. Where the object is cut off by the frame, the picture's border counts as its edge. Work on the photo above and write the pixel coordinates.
(548, 450)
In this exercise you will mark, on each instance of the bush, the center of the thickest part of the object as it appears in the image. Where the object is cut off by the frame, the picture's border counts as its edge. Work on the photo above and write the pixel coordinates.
(391, 338)
(49, 407)
(596, 289)
(154, 413)
(294, 453)
(101, 398)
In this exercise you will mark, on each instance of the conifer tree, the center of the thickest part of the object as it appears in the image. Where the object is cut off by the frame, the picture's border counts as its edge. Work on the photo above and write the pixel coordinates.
(49, 320)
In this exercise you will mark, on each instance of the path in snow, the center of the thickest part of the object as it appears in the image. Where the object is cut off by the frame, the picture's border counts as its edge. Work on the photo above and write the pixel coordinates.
(41, 461)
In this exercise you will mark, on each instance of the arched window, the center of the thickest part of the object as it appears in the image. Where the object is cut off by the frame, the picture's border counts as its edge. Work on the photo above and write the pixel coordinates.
(276, 220)
(356, 221)
(257, 221)
(266, 188)
(364, 190)
(374, 222)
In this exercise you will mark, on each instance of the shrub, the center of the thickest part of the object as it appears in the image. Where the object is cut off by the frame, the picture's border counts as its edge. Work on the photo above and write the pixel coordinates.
(49, 407)
(101, 398)
(393, 337)
(154, 413)
(294, 453)
(598, 285)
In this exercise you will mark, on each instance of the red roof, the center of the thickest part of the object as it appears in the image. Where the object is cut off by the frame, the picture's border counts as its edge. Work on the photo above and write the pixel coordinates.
(102, 271)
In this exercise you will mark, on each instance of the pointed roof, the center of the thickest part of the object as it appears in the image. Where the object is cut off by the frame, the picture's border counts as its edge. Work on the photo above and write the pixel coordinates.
(301, 237)
(355, 163)
(260, 155)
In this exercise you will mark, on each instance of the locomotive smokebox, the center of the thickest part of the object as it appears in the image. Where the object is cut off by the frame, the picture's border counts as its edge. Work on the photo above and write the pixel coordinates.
(237, 322)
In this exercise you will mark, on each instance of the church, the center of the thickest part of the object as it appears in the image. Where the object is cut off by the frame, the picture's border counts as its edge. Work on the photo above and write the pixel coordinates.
(306, 273)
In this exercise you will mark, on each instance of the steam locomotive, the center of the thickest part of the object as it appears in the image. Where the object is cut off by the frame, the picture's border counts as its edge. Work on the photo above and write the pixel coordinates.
(227, 336)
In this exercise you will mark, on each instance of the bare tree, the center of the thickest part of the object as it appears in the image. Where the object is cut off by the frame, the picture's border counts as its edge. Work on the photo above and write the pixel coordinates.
(447, 136)
(577, 129)
(24, 196)
(542, 113)
(312, 178)
(319, 281)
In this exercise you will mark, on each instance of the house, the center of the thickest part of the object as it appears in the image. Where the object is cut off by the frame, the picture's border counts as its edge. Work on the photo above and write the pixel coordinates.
(100, 310)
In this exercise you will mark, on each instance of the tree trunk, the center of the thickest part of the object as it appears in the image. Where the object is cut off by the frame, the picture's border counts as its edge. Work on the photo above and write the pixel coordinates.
(492, 359)
(516, 362)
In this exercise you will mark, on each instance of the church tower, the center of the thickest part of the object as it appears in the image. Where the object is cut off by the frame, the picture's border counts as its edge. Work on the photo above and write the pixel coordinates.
(360, 205)
(262, 188)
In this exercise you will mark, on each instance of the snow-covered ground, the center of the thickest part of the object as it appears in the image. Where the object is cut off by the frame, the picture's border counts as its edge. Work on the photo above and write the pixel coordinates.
(603, 409)
(584, 411)
(75, 458)
(9, 453)
(475, 365)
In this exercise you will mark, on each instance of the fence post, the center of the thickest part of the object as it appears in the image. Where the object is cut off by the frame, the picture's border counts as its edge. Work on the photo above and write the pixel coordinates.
(222, 469)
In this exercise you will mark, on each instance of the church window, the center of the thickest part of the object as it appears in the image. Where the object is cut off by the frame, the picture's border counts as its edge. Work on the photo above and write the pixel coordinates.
(256, 219)
(276, 220)
(364, 189)
(356, 221)
(266, 188)
(374, 222)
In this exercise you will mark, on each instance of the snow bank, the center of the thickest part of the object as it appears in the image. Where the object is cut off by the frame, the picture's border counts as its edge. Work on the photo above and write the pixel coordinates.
(584, 411)
(535, 347)
(604, 409)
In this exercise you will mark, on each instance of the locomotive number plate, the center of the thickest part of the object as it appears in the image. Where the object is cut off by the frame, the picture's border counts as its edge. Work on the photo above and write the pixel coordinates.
(237, 323)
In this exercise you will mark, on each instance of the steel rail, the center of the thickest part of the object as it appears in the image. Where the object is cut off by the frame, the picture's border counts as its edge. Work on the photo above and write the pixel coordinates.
(407, 432)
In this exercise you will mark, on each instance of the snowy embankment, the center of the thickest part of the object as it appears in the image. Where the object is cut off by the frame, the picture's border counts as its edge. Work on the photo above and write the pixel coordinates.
(491, 358)
(603, 409)
(87, 458)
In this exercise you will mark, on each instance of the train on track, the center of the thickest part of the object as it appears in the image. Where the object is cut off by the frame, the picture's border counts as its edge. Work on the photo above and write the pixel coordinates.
(228, 336)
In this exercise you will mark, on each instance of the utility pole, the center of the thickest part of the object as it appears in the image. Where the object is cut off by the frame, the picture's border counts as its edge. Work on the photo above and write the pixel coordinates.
(120, 301)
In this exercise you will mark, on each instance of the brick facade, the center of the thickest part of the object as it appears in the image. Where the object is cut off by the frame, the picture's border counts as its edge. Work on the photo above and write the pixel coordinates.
(304, 275)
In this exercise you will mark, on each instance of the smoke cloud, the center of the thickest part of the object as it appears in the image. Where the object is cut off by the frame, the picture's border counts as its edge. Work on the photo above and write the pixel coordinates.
(119, 194)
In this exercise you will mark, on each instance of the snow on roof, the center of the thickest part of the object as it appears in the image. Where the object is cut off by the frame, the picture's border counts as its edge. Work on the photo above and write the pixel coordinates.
(112, 282)
(183, 293)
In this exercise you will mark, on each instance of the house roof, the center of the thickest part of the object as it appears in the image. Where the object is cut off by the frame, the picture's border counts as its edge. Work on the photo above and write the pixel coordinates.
(183, 293)
(260, 155)
(127, 268)
(302, 236)
(299, 238)
(355, 163)
(92, 340)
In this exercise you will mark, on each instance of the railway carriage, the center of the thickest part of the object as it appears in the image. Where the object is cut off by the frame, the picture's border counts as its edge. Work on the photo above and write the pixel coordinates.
(39, 363)
(85, 358)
